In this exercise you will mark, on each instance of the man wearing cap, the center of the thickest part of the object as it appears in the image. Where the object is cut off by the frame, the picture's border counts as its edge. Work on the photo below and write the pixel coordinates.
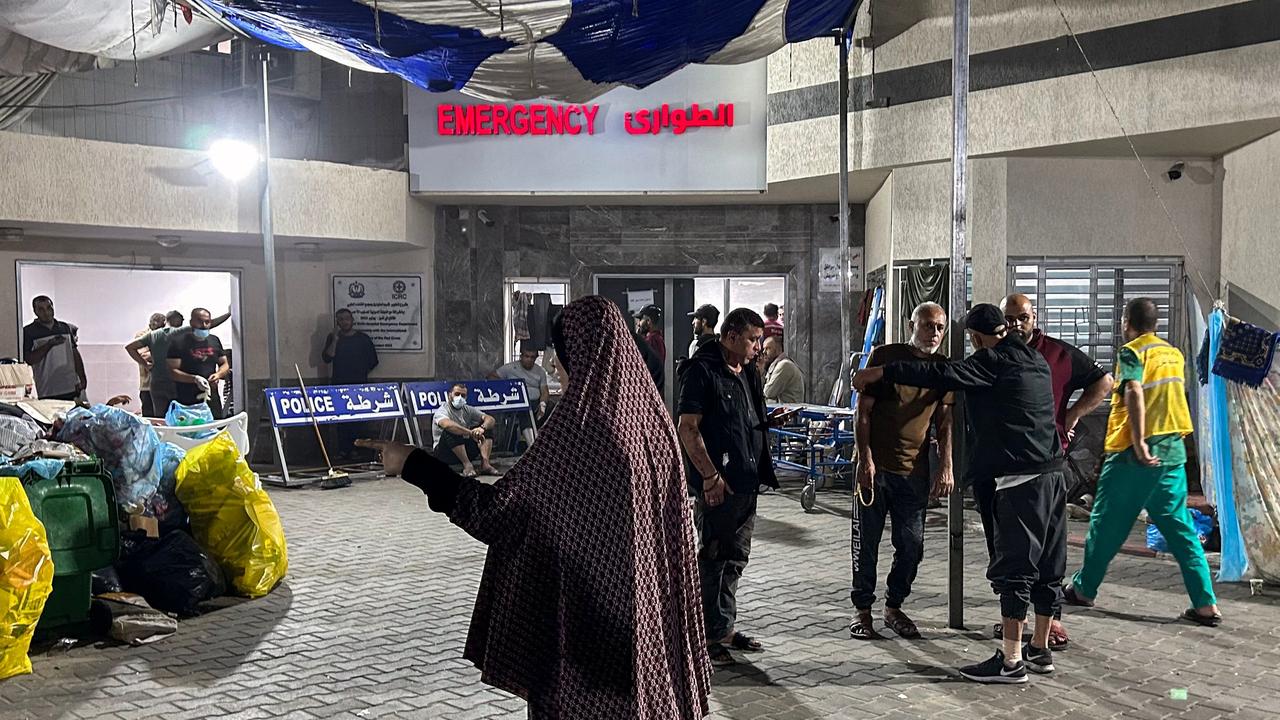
(1072, 371)
(704, 327)
(1009, 406)
(648, 322)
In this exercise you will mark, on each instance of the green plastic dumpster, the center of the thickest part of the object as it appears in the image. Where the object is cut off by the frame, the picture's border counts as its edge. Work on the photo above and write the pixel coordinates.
(78, 510)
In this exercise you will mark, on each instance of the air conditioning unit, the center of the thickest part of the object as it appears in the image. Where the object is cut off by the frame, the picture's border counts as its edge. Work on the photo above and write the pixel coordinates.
(293, 74)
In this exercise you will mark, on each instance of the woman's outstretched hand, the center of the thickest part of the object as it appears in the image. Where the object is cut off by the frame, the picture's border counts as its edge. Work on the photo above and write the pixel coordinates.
(392, 454)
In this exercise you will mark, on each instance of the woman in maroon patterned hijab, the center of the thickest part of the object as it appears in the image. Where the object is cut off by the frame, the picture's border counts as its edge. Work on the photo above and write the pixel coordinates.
(590, 604)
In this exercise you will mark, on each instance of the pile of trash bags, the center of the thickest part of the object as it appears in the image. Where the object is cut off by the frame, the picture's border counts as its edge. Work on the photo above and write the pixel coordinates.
(199, 523)
(217, 526)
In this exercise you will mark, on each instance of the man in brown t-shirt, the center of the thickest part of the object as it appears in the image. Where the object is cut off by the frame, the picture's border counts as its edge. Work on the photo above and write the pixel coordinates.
(893, 474)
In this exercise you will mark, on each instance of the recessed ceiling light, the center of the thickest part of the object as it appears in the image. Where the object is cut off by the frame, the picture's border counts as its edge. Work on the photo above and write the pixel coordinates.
(307, 247)
(12, 234)
(168, 241)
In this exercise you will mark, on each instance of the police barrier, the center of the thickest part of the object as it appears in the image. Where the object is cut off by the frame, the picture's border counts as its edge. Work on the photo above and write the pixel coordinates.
(331, 404)
(488, 396)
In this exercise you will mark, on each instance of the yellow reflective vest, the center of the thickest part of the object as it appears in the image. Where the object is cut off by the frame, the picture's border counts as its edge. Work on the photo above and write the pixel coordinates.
(1164, 394)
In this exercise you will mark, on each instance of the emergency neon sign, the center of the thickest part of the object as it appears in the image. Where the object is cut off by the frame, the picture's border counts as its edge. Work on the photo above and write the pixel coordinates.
(547, 119)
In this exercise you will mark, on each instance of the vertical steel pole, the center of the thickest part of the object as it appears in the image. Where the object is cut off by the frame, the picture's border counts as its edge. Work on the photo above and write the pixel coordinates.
(268, 238)
(846, 281)
(956, 309)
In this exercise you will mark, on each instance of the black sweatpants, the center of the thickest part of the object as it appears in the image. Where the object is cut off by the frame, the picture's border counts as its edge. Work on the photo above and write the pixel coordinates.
(904, 499)
(1029, 535)
(448, 441)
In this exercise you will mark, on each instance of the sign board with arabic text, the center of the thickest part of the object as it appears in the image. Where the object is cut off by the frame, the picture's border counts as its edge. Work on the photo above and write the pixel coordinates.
(701, 129)
(484, 395)
(335, 404)
(387, 308)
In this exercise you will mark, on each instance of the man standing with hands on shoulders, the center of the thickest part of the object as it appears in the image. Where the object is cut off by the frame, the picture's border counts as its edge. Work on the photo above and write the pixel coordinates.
(723, 428)
(1009, 406)
(893, 470)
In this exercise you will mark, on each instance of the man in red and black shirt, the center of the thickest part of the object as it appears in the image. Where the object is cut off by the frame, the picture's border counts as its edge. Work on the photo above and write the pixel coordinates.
(1071, 370)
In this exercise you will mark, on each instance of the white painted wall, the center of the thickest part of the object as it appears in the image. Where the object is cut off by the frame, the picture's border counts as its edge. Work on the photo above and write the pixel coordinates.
(1197, 91)
(1251, 220)
(155, 190)
(1105, 207)
(1076, 207)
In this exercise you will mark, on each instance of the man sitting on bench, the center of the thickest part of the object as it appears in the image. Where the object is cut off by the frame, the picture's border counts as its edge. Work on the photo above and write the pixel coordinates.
(460, 434)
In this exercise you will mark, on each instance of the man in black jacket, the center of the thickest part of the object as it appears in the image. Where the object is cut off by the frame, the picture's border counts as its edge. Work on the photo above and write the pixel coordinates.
(723, 428)
(1009, 405)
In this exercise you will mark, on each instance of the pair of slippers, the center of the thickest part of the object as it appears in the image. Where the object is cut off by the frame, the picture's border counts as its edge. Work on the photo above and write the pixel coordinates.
(903, 626)
(719, 652)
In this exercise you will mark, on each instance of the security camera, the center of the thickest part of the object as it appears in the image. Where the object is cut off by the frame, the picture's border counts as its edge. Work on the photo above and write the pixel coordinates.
(1175, 170)
(483, 217)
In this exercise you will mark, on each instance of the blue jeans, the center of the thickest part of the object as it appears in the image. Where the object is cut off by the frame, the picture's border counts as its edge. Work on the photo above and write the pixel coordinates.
(904, 499)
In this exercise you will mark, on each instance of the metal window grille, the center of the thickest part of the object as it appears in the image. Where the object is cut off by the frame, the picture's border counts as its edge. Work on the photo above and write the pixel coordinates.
(1081, 300)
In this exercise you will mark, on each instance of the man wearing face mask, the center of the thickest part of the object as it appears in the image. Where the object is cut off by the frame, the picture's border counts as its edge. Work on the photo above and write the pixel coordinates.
(894, 474)
(156, 343)
(462, 434)
(1009, 406)
(197, 362)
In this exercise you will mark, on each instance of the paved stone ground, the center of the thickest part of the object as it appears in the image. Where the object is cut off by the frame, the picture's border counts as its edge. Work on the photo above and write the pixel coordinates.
(372, 618)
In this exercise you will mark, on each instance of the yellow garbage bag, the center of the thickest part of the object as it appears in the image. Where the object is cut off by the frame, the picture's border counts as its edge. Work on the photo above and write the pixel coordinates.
(26, 576)
(232, 517)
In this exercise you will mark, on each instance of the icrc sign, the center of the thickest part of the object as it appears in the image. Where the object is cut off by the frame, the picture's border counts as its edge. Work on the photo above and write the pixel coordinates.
(702, 129)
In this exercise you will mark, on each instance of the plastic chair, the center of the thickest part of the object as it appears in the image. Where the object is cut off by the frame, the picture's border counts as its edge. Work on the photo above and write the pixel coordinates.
(237, 425)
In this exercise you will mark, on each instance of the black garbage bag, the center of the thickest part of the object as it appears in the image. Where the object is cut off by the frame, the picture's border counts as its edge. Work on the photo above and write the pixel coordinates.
(106, 580)
(172, 573)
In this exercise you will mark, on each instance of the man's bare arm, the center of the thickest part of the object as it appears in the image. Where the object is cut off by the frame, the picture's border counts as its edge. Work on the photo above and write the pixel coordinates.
(1089, 400)
(691, 439)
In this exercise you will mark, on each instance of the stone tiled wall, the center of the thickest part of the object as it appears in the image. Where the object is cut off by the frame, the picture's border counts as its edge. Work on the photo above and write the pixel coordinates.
(580, 242)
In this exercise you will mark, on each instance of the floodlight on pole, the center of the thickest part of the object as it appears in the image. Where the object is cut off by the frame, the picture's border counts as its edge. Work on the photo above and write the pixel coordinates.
(235, 160)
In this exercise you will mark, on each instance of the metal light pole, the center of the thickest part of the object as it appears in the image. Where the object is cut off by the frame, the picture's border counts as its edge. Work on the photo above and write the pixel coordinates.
(268, 239)
(956, 305)
(846, 279)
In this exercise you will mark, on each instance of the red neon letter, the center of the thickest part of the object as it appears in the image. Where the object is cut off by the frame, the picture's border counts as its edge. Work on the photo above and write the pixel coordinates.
(555, 119)
(538, 119)
(500, 115)
(444, 119)
(484, 122)
(570, 126)
(465, 120)
(520, 120)
(590, 111)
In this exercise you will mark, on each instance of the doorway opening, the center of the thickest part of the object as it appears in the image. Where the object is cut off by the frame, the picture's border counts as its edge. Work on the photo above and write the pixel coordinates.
(679, 295)
(110, 305)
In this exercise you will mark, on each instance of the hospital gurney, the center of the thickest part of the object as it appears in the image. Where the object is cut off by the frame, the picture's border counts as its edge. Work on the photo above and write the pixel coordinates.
(819, 441)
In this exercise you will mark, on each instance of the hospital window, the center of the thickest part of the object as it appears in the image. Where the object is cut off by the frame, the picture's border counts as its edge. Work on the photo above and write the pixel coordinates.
(557, 288)
(728, 293)
(1082, 301)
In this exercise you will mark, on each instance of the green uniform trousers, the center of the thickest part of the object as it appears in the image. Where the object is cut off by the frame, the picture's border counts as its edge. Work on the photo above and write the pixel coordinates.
(1124, 489)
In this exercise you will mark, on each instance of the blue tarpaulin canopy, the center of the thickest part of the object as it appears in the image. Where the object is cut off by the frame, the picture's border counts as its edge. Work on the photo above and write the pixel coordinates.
(518, 49)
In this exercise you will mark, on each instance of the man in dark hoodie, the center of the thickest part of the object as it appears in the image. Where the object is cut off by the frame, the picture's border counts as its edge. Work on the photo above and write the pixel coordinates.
(1009, 406)
(723, 428)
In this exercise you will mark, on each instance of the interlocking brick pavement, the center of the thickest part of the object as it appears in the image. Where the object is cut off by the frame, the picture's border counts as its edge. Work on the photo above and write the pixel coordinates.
(372, 618)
